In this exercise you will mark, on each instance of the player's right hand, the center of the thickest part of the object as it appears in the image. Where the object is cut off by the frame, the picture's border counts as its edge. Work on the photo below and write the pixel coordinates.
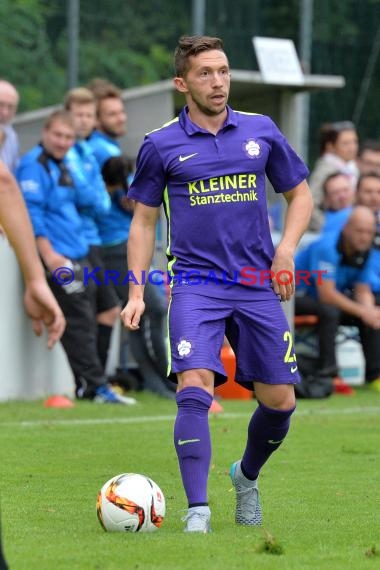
(131, 314)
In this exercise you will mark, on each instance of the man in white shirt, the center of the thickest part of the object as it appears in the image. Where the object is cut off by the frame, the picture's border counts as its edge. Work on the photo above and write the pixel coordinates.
(9, 99)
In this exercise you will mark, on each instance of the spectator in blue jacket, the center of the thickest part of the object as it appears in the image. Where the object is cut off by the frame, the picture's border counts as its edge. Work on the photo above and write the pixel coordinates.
(93, 204)
(336, 286)
(111, 122)
(49, 192)
(368, 194)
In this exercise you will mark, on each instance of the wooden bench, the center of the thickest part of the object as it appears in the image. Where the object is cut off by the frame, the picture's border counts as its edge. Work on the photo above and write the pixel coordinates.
(305, 321)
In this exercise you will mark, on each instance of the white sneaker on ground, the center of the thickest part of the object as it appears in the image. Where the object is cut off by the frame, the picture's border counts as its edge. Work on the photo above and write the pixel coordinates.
(198, 520)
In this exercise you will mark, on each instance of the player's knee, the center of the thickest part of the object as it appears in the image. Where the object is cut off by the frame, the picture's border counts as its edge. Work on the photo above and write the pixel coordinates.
(276, 397)
(196, 378)
(286, 403)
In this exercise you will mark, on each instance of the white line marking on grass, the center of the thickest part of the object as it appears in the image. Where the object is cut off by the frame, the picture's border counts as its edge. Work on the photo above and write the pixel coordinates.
(92, 421)
(167, 418)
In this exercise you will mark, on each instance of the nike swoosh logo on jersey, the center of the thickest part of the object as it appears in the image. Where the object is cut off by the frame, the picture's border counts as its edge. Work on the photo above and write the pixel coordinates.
(293, 369)
(184, 441)
(183, 158)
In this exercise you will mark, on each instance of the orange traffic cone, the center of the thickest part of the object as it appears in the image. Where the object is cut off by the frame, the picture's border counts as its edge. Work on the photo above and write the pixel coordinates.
(215, 407)
(58, 402)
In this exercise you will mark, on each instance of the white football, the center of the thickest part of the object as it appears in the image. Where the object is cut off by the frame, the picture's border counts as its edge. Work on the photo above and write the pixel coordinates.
(130, 502)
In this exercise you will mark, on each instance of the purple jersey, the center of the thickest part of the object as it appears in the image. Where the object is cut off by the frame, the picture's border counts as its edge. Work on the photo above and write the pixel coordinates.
(213, 191)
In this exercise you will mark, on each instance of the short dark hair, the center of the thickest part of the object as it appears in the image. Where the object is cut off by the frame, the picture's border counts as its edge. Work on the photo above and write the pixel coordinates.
(367, 175)
(115, 171)
(102, 88)
(331, 177)
(369, 144)
(193, 45)
(62, 115)
(330, 132)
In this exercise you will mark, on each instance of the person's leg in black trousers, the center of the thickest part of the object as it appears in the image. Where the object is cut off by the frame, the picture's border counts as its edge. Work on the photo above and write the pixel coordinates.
(370, 339)
(327, 327)
(80, 337)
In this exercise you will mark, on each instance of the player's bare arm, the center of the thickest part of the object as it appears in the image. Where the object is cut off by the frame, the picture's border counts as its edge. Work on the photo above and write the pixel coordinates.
(140, 252)
(300, 206)
(40, 304)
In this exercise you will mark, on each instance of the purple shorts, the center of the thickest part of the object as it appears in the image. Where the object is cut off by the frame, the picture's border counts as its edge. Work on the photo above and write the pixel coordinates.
(257, 331)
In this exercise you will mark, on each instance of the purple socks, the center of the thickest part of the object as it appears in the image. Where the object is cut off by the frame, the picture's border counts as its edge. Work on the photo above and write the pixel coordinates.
(192, 442)
(266, 431)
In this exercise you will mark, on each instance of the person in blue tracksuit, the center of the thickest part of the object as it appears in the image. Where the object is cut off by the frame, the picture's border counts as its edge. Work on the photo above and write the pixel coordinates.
(111, 122)
(49, 192)
(93, 203)
(368, 194)
(334, 282)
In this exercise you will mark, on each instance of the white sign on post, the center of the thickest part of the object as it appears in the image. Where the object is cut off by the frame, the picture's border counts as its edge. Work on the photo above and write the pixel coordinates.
(278, 61)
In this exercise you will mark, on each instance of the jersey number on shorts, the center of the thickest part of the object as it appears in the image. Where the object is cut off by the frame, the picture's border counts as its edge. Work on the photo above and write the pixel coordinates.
(289, 355)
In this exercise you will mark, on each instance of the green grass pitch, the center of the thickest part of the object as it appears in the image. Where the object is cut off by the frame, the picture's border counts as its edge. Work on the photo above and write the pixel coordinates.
(320, 492)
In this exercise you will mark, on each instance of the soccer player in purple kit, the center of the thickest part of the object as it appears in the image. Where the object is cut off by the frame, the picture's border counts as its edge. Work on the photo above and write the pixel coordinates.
(207, 167)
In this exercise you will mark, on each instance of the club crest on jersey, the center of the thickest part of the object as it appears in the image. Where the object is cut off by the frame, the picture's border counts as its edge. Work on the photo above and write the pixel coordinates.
(251, 148)
(184, 348)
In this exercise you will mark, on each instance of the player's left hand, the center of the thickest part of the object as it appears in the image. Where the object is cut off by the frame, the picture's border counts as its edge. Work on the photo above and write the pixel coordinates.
(283, 278)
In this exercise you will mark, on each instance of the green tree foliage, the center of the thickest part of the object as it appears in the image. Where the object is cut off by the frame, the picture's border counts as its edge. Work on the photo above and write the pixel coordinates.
(343, 38)
(25, 54)
(342, 41)
(238, 22)
(130, 42)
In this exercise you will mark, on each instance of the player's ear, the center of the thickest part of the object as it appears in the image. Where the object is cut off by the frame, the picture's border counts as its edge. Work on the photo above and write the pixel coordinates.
(180, 84)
